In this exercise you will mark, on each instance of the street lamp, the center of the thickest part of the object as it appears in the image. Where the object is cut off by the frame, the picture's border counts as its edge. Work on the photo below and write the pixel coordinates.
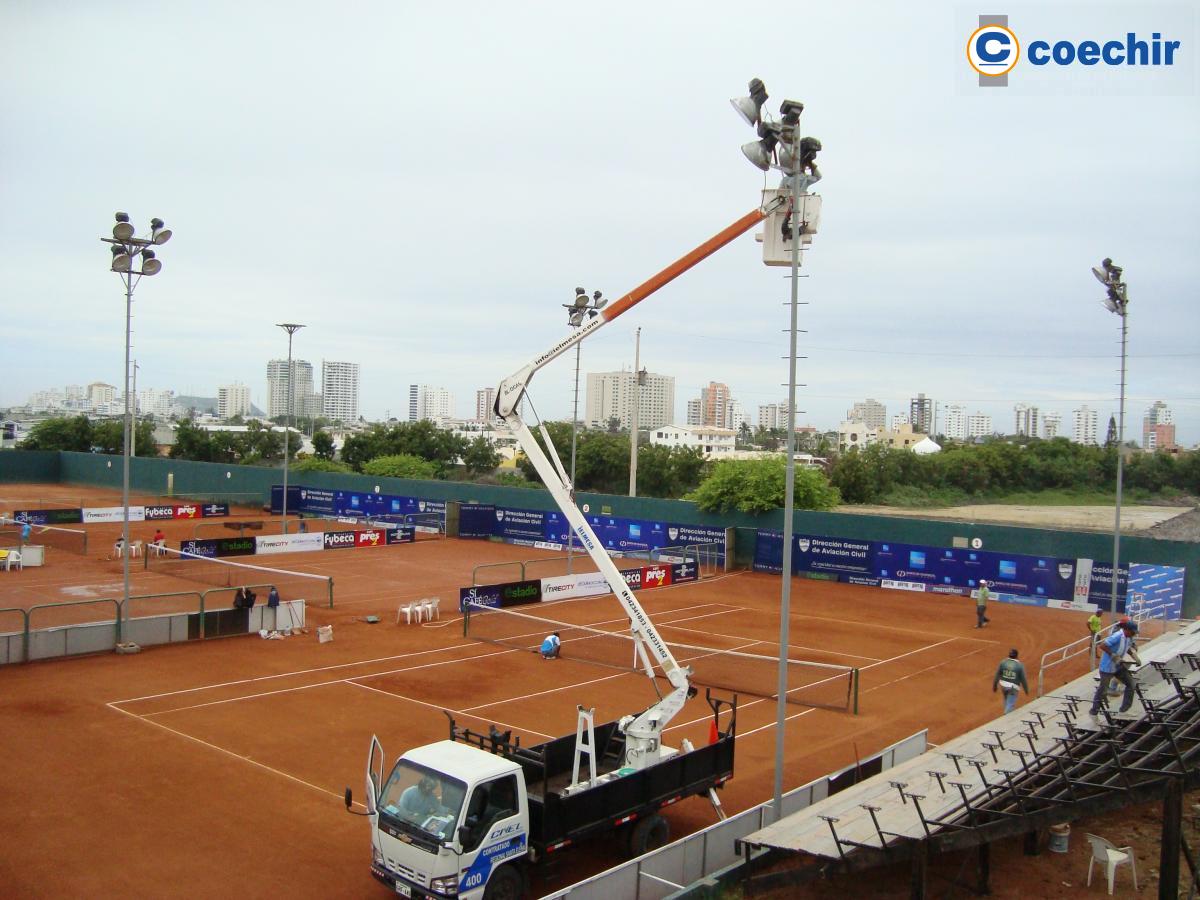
(780, 147)
(128, 251)
(291, 329)
(1117, 301)
(579, 311)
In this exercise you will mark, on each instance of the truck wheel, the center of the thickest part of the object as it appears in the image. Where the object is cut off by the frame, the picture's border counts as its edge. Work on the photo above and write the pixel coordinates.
(649, 834)
(506, 883)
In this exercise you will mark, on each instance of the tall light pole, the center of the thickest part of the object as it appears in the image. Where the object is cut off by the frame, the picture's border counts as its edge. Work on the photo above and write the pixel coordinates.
(1117, 301)
(126, 245)
(579, 310)
(780, 147)
(133, 440)
(291, 329)
(638, 377)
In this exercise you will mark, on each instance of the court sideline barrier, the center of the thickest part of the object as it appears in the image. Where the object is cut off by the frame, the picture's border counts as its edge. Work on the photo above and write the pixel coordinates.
(101, 636)
(670, 870)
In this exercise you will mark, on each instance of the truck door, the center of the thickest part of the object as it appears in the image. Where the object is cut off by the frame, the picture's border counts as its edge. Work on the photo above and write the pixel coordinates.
(494, 828)
(375, 760)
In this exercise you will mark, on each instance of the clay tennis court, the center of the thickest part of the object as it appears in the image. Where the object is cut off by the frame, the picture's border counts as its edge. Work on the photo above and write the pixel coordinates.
(217, 767)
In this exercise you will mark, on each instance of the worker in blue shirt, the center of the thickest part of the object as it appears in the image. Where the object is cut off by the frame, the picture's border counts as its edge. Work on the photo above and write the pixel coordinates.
(1112, 652)
(26, 531)
(551, 646)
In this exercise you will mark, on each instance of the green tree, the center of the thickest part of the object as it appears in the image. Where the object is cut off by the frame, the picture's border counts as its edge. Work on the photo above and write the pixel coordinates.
(401, 465)
(61, 433)
(669, 472)
(317, 464)
(480, 456)
(192, 442)
(852, 478)
(760, 485)
(323, 444)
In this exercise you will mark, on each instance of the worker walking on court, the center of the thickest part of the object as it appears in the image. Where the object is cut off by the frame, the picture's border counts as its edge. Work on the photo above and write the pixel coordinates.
(981, 600)
(551, 646)
(1009, 679)
(1112, 652)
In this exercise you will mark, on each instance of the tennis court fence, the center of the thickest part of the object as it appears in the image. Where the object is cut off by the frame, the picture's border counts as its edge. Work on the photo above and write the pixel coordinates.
(608, 644)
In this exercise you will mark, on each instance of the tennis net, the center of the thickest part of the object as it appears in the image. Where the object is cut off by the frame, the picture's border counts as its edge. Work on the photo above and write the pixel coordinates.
(73, 540)
(226, 573)
(823, 685)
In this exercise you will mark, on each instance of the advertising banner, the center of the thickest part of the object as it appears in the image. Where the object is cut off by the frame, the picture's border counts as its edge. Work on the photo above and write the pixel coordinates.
(205, 548)
(187, 511)
(1100, 587)
(235, 546)
(476, 520)
(154, 513)
(289, 543)
(565, 587)
(370, 537)
(1155, 589)
(681, 572)
(520, 526)
(656, 576)
(401, 534)
(95, 514)
(820, 554)
(1083, 581)
(210, 510)
(49, 516)
(513, 593)
(338, 540)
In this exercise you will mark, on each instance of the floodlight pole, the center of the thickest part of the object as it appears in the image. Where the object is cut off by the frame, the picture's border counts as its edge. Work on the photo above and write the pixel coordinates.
(1116, 574)
(633, 414)
(126, 445)
(133, 439)
(574, 429)
(291, 329)
(785, 601)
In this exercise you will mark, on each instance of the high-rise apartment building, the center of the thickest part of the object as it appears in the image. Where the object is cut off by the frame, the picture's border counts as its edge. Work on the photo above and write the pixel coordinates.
(1051, 424)
(735, 415)
(899, 420)
(869, 412)
(979, 425)
(772, 415)
(427, 402)
(921, 414)
(1025, 420)
(485, 404)
(956, 422)
(339, 391)
(695, 412)
(714, 404)
(1084, 428)
(233, 400)
(100, 395)
(1156, 424)
(277, 387)
(610, 396)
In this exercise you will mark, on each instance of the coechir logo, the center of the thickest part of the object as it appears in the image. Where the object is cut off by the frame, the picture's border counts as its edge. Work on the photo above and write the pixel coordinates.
(993, 50)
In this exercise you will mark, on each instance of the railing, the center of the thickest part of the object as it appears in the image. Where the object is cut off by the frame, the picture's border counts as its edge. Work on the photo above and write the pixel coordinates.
(1067, 652)
(23, 641)
(475, 582)
(672, 868)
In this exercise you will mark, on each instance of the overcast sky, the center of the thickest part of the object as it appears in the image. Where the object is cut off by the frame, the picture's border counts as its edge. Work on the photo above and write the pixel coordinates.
(423, 185)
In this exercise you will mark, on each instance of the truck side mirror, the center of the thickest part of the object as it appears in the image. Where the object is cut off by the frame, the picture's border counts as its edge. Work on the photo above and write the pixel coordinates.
(464, 836)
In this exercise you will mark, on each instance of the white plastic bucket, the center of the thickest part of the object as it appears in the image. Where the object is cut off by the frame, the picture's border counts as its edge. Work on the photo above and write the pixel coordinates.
(1060, 838)
(324, 633)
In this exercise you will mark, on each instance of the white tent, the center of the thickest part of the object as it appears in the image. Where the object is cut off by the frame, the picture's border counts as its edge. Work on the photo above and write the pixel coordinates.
(928, 445)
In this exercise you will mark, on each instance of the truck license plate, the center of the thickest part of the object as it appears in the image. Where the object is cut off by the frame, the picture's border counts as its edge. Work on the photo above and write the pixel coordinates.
(403, 889)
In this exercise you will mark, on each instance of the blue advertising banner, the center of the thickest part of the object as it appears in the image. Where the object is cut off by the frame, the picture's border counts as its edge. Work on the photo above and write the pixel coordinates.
(520, 526)
(1100, 590)
(214, 509)
(214, 547)
(401, 534)
(205, 548)
(1156, 589)
(49, 516)
(513, 593)
(476, 520)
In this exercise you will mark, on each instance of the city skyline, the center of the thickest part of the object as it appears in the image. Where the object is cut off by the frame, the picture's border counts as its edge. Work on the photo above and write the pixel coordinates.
(983, 303)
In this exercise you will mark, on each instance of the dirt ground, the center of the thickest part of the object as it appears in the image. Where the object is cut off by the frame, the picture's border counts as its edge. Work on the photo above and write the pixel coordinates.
(1134, 519)
(216, 768)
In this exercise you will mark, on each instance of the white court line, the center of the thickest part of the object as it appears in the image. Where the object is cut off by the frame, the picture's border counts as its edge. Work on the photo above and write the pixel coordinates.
(306, 687)
(239, 756)
(460, 712)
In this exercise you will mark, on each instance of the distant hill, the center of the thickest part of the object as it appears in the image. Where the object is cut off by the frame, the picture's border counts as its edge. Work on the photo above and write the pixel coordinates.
(207, 404)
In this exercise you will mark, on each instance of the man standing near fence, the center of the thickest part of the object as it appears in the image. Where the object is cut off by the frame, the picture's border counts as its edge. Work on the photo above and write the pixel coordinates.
(1112, 652)
(981, 599)
(1010, 678)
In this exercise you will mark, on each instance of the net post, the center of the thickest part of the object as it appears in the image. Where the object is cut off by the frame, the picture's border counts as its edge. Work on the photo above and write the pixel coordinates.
(331, 592)
(854, 681)
(466, 617)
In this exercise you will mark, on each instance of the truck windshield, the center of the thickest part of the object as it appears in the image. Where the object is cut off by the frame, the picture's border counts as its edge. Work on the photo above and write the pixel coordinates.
(427, 800)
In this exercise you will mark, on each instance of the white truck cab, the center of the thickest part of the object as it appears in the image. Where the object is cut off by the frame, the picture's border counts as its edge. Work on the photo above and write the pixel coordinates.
(446, 820)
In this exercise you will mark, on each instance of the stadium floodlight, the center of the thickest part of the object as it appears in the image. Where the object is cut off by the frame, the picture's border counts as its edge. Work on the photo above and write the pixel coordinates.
(125, 246)
(291, 328)
(762, 152)
(1116, 301)
(750, 108)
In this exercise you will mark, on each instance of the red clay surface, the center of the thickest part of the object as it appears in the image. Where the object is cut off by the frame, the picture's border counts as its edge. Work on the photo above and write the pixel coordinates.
(217, 768)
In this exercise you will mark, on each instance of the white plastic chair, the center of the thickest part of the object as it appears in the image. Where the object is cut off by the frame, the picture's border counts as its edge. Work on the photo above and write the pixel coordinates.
(429, 608)
(1110, 856)
(118, 550)
(14, 556)
(406, 610)
(159, 548)
(135, 549)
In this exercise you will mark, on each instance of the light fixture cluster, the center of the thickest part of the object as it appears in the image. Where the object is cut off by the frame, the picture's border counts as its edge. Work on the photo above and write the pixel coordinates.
(1109, 275)
(126, 246)
(776, 146)
(584, 307)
